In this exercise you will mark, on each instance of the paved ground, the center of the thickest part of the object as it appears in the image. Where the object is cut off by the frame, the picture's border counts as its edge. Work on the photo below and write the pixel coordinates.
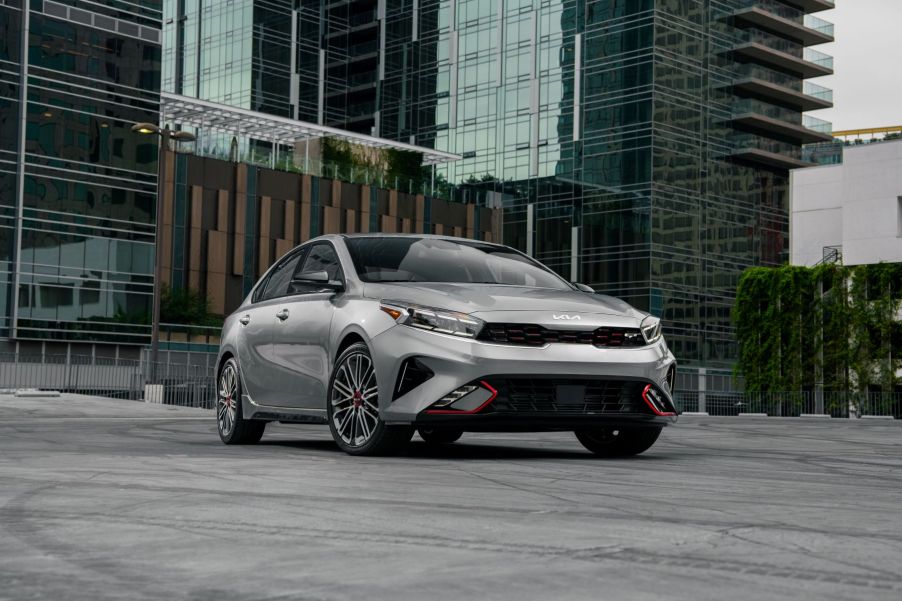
(120, 500)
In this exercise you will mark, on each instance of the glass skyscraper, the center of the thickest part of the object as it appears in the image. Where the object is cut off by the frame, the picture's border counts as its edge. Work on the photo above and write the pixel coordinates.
(77, 187)
(640, 146)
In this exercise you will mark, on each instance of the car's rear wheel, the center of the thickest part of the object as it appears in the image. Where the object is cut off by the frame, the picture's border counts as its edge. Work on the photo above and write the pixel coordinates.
(232, 427)
(618, 442)
(353, 407)
(440, 436)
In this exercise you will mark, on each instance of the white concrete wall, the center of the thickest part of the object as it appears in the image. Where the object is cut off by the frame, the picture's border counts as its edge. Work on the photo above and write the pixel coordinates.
(854, 205)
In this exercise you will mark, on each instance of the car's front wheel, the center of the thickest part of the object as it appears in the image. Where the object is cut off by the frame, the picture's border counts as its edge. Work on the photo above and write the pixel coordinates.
(353, 408)
(618, 442)
(230, 422)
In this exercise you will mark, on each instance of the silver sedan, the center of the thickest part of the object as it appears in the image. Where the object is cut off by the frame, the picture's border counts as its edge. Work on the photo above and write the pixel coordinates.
(381, 335)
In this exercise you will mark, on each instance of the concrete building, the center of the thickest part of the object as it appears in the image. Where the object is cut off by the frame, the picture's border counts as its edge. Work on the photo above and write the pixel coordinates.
(854, 208)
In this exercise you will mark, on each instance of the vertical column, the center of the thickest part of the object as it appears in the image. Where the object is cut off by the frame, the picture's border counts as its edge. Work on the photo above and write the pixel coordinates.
(534, 96)
(499, 50)
(240, 219)
(574, 254)
(295, 82)
(195, 224)
(577, 83)
(264, 259)
(530, 228)
(702, 390)
(452, 59)
(20, 168)
(321, 95)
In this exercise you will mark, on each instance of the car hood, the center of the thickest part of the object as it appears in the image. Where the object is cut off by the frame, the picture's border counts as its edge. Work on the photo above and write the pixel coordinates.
(483, 299)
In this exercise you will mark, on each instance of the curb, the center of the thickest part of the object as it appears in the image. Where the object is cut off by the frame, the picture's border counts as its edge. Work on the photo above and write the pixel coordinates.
(753, 415)
(33, 393)
(696, 413)
(887, 417)
(817, 415)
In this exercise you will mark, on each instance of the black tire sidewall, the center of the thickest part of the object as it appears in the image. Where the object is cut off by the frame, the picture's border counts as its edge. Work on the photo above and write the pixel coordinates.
(243, 431)
(629, 441)
(440, 436)
(232, 437)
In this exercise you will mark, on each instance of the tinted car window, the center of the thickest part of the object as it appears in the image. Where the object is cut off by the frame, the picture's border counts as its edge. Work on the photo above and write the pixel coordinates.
(277, 283)
(438, 260)
(322, 257)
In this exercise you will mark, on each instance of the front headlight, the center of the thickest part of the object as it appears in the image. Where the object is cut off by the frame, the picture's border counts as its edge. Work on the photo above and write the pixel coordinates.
(433, 320)
(651, 329)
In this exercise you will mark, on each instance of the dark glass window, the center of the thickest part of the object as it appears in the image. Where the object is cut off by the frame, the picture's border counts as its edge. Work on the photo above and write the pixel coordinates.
(322, 257)
(277, 283)
(403, 259)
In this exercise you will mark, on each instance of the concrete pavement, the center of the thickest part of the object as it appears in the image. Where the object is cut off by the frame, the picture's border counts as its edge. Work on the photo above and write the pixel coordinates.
(104, 499)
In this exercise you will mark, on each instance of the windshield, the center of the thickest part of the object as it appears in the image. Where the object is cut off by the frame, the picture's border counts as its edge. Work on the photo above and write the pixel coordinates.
(403, 259)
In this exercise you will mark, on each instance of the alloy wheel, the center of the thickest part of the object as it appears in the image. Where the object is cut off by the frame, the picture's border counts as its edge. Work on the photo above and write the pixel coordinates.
(355, 414)
(226, 410)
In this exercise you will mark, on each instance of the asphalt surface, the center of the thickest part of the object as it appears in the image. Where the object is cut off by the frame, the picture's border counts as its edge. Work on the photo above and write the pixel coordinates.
(103, 499)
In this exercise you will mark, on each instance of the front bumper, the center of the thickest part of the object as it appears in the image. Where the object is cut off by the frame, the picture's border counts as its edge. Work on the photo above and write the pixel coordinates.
(457, 361)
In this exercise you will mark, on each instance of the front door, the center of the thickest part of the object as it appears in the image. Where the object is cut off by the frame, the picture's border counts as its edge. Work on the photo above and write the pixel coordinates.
(258, 323)
(300, 343)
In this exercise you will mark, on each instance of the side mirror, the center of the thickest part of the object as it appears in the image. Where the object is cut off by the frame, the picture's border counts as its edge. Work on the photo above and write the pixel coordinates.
(584, 288)
(318, 279)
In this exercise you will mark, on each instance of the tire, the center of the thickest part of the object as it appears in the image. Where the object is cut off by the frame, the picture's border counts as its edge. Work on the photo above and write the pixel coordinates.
(353, 407)
(230, 423)
(618, 442)
(431, 436)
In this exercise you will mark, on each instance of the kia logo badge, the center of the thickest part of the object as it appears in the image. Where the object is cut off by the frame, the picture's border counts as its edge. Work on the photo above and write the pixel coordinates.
(570, 317)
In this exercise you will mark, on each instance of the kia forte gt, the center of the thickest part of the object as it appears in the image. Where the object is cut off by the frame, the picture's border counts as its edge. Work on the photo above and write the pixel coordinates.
(380, 336)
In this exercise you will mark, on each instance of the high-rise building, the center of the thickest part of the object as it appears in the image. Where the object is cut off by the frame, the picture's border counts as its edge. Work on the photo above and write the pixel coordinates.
(77, 186)
(641, 146)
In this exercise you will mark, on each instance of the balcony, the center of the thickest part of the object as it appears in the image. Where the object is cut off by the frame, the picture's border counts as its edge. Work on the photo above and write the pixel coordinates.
(812, 97)
(810, 64)
(780, 123)
(812, 6)
(752, 149)
(804, 29)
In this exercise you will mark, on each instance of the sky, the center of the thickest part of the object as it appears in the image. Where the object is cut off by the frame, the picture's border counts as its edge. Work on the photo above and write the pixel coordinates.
(867, 83)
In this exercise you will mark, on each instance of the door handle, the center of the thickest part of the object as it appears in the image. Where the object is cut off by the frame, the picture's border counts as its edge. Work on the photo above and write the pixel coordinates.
(283, 314)
(244, 320)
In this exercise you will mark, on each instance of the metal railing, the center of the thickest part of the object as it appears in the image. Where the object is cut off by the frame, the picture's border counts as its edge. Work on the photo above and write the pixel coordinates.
(183, 383)
(188, 380)
(791, 404)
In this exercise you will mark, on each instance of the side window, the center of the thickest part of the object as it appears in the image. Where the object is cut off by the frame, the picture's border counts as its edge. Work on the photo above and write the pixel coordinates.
(322, 257)
(278, 281)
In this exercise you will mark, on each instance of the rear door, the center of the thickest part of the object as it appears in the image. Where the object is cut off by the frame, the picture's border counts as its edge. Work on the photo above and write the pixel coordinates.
(258, 321)
(301, 338)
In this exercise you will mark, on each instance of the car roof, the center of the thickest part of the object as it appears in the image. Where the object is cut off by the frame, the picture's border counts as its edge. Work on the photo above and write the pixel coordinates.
(414, 235)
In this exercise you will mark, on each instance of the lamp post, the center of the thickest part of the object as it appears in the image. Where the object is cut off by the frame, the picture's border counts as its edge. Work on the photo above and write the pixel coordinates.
(165, 134)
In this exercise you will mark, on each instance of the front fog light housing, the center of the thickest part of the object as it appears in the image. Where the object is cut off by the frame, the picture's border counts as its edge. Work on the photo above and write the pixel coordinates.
(651, 329)
(465, 400)
(433, 320)
(657, 402)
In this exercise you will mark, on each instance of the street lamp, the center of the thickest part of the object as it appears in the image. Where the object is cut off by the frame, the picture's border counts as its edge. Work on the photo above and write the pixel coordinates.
(165, 135)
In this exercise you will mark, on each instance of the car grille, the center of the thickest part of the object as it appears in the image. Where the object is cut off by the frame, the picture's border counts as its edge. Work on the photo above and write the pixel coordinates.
(535, 335)
(538, 395)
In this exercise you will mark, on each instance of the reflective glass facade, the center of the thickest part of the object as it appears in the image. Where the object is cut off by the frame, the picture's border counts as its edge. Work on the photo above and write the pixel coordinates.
(77, 187)
(640, 146)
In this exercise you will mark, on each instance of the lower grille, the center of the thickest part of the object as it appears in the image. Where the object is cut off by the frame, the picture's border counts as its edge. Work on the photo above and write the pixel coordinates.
(540, 395)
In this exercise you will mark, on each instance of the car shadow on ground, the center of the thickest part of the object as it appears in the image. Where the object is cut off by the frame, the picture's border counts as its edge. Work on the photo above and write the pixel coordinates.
(460, 450)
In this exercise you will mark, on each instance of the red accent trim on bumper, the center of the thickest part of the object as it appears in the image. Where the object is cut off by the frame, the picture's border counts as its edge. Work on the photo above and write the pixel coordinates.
(482, 383)
(652, 405)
